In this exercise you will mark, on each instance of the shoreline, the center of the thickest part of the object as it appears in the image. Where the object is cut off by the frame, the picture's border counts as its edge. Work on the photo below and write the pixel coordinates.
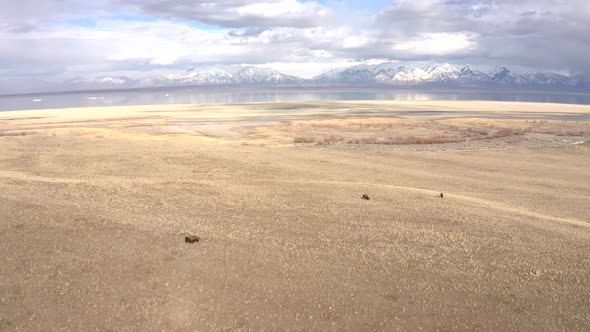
(322, 123)
(447, 105)
(310, 88)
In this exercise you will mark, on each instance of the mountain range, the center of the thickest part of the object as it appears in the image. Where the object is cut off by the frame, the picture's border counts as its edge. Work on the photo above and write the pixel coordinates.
(385, 74)
(445, 75)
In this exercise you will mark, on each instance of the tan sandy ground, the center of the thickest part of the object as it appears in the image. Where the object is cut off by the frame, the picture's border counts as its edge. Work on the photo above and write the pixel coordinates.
(93, 219)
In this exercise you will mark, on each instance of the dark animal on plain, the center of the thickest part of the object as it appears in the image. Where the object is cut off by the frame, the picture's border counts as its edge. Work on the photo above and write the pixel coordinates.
(192, 239)
(365, 196)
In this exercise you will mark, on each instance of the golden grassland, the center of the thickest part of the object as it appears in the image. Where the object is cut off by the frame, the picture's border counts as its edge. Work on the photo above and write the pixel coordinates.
(95, 205)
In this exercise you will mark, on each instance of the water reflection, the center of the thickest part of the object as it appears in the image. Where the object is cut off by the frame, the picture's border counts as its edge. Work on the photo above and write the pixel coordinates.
(217, 96)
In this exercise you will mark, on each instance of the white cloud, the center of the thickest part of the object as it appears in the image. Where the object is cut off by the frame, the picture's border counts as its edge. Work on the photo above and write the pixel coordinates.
(283, 8)
(437, 44)
(234, 13)
(38, 39)
(546, 34)
(314, 68)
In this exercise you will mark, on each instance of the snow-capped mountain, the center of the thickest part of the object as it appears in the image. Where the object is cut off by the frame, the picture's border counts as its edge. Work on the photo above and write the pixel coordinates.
(255, 75)
(101, 82)
(228, 76)
(197, 77)
(503, 76)
(384, 74)
(471, 78)
(354, 75)
(390, 74)
(444, 75)
(413, 75)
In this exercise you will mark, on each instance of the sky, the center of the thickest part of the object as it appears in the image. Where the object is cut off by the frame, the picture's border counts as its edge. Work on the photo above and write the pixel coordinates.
(44, 42)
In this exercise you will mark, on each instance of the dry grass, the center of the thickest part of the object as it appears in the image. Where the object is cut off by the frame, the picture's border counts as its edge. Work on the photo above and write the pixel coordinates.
(558, 131)
(18, 133)
(453, 135)
(301, 139)
(483, 134)
(287, 225)
(319, 140)
(404, 140)
(398, 131)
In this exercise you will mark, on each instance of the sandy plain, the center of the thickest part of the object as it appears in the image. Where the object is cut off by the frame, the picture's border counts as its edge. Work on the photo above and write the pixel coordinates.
(95, 205)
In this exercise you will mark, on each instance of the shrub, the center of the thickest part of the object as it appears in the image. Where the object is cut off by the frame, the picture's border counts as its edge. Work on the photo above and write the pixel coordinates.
(301, 139)
(18, 133)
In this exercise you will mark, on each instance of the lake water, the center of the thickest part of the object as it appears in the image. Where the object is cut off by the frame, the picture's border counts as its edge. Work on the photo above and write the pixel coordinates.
(221, 96)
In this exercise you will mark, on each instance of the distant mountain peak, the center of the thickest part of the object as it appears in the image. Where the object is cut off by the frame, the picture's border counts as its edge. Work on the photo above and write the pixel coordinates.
(445, 75)
(500, 73)
(393, 74)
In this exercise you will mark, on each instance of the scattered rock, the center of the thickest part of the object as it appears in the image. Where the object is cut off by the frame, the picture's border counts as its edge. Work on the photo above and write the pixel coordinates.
(365, 196)
(192, 239)
(441, 195)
